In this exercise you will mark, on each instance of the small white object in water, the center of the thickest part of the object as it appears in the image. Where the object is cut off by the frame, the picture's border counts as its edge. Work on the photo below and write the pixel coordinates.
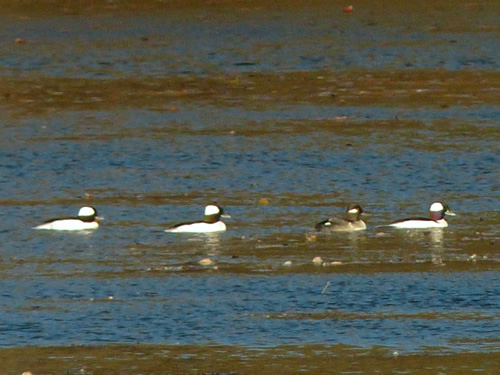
(206, 262)
(288, 263)
(325, 287)
(473, 258)
(317, 261)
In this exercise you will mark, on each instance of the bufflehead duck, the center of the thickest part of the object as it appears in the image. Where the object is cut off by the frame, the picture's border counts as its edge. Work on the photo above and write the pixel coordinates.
(211, 222)
(437, 212)
(87, 219)
(350, 222)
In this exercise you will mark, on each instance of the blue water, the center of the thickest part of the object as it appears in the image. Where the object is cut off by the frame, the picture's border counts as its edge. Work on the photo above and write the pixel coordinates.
(204, 42)
(238, 311)
(139, 146)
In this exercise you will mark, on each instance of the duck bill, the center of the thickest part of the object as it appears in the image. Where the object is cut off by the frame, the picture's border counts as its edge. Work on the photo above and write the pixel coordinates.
(450, 213)
(225, 216)
(99, 218)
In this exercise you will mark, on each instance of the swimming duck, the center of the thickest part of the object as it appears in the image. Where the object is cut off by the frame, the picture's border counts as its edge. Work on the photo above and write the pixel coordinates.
(87, 219)
(210, 224)
(350, 222)
(437, 212)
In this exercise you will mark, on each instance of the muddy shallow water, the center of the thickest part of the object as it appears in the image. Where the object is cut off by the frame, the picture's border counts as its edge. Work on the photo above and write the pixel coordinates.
(282, 115)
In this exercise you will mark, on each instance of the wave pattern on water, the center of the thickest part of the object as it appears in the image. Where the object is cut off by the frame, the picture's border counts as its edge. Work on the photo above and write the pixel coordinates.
(392, 310)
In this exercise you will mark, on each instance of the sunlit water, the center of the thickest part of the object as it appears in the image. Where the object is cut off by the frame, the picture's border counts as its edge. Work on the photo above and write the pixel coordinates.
(144, 169)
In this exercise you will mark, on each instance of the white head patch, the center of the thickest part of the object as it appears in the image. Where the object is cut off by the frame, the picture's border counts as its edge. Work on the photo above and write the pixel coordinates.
(86, 211)
(354, 210)
(436, 207)
(211, 210)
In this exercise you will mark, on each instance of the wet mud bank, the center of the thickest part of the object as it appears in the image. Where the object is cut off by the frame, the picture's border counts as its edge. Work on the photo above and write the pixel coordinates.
(407, 89)
(140, 359)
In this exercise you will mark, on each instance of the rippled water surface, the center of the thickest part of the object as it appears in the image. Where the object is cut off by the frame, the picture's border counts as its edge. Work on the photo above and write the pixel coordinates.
(280, 117)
